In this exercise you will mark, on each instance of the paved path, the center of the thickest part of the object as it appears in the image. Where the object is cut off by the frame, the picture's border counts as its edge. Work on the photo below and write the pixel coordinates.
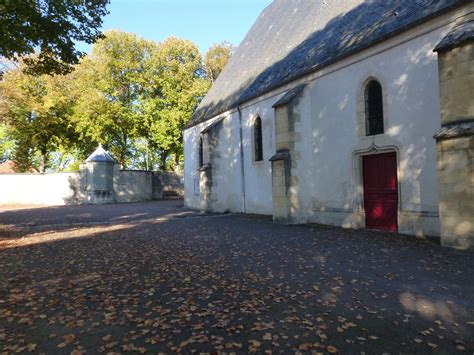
(156, 277)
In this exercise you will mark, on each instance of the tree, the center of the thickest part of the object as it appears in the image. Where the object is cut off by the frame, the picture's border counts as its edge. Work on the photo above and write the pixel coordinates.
(133, 96)
(50, 26)
(216, 59)
(109, 84)
(175, 83)
(7, 145)
(36, 111)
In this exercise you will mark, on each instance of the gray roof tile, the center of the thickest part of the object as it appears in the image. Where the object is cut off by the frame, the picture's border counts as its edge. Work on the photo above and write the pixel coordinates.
(458, 129)
(289, 96)
(100, 155)
(212, 126)
(294, 37)
(460, 34)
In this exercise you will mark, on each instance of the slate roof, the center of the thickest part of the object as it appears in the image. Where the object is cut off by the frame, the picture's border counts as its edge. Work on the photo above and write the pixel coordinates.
(212, 126)
(289, 96)
(280, 155)
(100, 155)
(458, 129)
(458, 35)
(294, 37)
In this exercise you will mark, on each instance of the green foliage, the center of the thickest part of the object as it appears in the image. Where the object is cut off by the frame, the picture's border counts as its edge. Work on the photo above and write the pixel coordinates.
(53, 27)
(7, 144)
(131, 91)
(108, 86)
(216, 59)
(176, 85)
(133, 96)
(35, 110)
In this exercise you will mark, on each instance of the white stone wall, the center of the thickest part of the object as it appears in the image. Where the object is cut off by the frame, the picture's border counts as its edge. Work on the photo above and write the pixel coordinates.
(133, 186)
(70, 188)
(227, 184)
(331, 145)
(47, 189)
(408, 74)
(258, 175)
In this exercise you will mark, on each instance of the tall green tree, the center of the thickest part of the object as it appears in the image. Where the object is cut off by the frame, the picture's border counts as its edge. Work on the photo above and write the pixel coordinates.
(109, 85)
(175, 83)
(216, 59)
(36, 112)
(135, 96)
(49, 28)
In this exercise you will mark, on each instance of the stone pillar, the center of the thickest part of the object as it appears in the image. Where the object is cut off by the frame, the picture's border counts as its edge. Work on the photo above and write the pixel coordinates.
(455, 139)
(281, 169)
(205, 187)
(285, 182)
(211, 157)
(99, 170)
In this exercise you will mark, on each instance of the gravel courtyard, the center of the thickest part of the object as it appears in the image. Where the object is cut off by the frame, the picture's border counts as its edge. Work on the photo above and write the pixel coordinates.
(156, 277)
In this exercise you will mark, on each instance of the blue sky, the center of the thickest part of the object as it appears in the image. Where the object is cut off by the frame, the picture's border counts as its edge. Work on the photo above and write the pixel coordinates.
(204, 22)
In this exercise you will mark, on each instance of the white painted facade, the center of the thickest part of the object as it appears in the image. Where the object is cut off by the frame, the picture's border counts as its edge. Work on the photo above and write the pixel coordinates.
(331, 138)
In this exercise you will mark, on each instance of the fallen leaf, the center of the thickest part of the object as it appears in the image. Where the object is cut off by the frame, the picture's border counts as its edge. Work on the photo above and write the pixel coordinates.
(255, 343)
(25, 321)
(68, 338)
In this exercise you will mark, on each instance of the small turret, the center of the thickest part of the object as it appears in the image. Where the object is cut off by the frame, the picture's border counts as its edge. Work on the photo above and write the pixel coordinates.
(100, 177)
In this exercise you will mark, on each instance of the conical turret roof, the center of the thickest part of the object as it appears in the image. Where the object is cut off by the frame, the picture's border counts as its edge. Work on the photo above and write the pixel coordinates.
(100, 155)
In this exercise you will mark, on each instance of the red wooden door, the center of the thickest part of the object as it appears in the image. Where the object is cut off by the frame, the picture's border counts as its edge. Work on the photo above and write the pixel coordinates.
(381, 191)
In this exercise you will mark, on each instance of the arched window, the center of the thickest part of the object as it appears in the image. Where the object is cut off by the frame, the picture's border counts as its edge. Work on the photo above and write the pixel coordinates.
(373, 108)
(257, 136)
(201, 153)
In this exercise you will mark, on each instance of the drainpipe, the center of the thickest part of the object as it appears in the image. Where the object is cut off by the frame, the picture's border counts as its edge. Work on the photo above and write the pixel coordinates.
(242, 167)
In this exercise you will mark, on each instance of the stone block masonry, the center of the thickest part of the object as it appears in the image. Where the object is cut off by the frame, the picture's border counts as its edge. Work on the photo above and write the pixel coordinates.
(455, 139)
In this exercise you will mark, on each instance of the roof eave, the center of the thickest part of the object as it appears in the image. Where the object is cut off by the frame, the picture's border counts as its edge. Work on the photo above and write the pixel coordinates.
(334, 60)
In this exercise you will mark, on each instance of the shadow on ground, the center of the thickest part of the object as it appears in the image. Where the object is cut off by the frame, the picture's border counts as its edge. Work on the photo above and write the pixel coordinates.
(168, 281)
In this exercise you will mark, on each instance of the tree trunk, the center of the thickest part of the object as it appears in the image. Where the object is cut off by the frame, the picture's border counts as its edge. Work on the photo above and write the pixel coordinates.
(163, 156)
(44, 161)
(123, 151)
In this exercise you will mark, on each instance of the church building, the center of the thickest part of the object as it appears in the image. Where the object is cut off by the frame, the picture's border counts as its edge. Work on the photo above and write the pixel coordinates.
(353, 113)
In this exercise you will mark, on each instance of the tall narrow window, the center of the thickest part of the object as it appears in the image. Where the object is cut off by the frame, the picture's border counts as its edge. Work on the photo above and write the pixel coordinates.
(373, 108)
(201, 153)
(257, 136)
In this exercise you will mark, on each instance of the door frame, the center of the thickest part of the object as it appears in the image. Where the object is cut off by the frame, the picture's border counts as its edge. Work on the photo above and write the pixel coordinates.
(358, 171)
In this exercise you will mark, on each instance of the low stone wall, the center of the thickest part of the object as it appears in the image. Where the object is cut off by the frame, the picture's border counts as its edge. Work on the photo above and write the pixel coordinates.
(167, 184)
(47, 189)
(71, 188)
(133, 186)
